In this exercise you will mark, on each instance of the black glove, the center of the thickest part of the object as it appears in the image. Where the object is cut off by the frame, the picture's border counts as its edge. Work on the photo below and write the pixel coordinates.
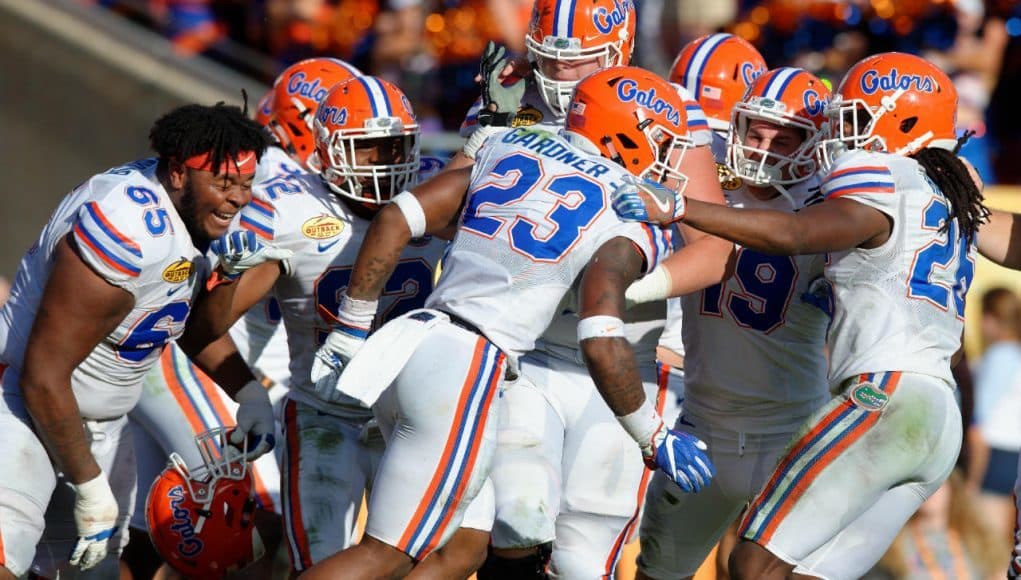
(499, 103)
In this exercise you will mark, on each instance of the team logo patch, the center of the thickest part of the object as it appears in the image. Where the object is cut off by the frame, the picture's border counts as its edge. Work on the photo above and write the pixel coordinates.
(322, 227)
(869, 397)
(178, 272)
(728, 180)
(527, 116)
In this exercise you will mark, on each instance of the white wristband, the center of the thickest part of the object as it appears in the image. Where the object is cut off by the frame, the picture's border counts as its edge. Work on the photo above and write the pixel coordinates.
(476, 139)
(600, 327)
(356, 313)
(96, 486)
(413, 212)
(643, 423)
(652, 287)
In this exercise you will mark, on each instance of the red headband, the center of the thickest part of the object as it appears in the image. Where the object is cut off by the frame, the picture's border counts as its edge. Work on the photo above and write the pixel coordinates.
(244, 163)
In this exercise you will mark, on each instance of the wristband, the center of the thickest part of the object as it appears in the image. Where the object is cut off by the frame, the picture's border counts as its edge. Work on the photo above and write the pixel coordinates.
(600, 327)
(413, 212)
(643, 423)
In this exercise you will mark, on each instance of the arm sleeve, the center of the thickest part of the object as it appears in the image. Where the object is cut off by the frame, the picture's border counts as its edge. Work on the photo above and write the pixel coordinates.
(102, 234)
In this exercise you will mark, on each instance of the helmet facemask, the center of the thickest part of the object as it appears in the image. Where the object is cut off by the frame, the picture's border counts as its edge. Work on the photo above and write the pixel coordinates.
(762, 167)
(366, 182)
(850, 125)
(556, 49)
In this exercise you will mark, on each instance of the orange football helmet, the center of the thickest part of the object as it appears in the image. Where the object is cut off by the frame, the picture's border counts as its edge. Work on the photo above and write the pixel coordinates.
(790, 97)
(296, 92)
(633, 117)
(563, 31)
(202, 522)
(264, 109)
(894, 102)
(717, 69)
(367, 112)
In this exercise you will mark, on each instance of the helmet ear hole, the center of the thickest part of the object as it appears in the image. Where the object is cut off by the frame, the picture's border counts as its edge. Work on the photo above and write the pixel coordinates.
(626, 141)
(908, 124)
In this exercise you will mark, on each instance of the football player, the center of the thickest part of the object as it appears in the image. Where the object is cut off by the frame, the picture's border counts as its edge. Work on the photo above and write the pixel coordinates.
(365, 145)
(548, 416)
(110, 281)
(179, 401)
(767, 315)
(899, 233)
(534, 215)
(714, 70)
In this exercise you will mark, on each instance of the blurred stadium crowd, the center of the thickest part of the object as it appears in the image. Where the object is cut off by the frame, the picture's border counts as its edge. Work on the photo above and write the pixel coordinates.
(430, 48)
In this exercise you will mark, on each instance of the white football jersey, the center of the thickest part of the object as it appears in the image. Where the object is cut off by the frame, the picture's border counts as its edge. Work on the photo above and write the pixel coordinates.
(537, 210)
(898, 307)
(644, 323)
(295, 210)
(771, 315)
(128, 231)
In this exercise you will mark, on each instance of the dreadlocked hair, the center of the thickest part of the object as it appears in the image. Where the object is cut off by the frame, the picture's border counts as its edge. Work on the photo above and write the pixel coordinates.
(221, 130)
(950, 175)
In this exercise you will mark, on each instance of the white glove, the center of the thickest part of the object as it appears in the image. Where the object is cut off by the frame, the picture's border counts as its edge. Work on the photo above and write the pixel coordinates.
(652, 287)
(255, 419)
(350, 330)
(95, 518)
(241, 250)
(340, 347)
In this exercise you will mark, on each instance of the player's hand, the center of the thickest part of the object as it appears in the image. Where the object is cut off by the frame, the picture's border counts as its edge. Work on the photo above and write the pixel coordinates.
(681, 456)
(341, 345)
(643, 200)
(500, 102)
(255, 420)
(242, 250)
(95, 518)
(516, 67)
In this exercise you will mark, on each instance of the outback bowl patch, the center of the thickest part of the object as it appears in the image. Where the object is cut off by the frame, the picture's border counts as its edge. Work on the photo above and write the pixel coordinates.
(178, 272)
(322, 227)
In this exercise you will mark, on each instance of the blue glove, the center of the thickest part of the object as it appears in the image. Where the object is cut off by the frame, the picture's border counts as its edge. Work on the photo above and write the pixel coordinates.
(643, 200)
(681, 456)
(242, 250)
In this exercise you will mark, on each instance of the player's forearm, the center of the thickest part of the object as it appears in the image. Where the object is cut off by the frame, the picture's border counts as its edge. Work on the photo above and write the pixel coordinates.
(706, 261)
(380, 251)
(224, 364)
(768, 231)
(999, 239)
(611, 363)
(58, 421)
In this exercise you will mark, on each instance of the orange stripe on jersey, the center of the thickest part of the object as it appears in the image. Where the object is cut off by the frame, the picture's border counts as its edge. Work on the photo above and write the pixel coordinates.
(859, 169)
(867, 189)
(404, 544)
(805, 479)
(177, 390)
(81, 236)
(3, 558)
(475, 446)
(303, 559)
(114, 232)
(212, 393)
